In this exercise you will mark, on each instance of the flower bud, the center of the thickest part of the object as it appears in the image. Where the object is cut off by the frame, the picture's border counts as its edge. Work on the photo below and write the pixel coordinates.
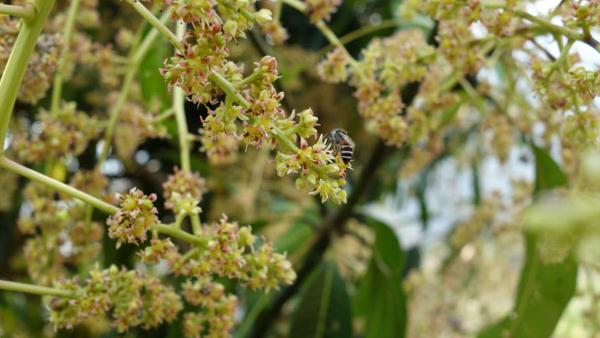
(263, 16)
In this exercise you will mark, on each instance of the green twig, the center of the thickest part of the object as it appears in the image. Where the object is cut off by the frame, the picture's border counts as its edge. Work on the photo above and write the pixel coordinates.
(26, 12)
(179, 234)
(366, 30)
(15, 67)
(159, 25)
(57, 185)
(179, 108)
(229, 89)
(165, 115)
(572, 34)
(180, 217)
(35, 289)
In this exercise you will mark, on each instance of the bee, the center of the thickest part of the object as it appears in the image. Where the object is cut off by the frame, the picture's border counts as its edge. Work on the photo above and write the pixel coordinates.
(342, 144)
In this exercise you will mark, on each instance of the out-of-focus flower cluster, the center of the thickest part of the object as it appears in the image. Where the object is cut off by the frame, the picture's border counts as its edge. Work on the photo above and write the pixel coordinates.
(183, 191)
(41, 66)
(318, 10)
(134, 127)
(130, 298)
(53, 136)
(62, 231)
(387, 65)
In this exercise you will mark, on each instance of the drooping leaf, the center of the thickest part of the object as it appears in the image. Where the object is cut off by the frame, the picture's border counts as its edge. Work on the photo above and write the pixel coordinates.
(380, 299)
(324, 310)
(544, 290)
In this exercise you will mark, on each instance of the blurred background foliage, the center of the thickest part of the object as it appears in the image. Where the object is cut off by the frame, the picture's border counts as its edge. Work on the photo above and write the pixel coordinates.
(462, 282)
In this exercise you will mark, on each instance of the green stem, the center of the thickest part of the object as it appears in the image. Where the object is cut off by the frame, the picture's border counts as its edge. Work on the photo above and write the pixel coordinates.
(196, 224)
(57, 185)
(228, 88)
(136, 58)
(165, 115)
(550, 26)
(248, 79)
(560, 62)
(35, 289)
(26, 12)
(64, 57)
(180, 217)
(298, 5)
(333, 39)
(277, 10)
(178, 233)
(15, 67)
(156, 23)
(325, 30)
(366, 30)
(179, 108)
(285, 141)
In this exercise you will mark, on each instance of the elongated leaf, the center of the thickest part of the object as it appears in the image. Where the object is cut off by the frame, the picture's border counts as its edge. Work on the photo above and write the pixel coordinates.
(380, 299)
(544, 289)
(324, 310)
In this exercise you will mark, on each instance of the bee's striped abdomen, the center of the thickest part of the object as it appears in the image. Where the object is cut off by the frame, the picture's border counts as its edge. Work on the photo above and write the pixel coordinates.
(346, 152)
(342, 144)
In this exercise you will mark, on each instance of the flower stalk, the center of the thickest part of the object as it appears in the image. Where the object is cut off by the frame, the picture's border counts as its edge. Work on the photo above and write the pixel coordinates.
(57, 185)
(64, 58)
(34, 289)
(159, 25)
(26, 12)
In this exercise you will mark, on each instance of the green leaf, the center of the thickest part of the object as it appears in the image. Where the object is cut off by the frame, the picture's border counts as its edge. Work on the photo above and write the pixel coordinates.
(544, 290)
(380, 298)
(294, 238)
(324, 310)
(548, 174)
(152, 84)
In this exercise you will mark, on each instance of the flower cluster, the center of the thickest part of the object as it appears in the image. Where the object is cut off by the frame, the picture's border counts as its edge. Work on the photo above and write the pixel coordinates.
(581, 14)
(204, 47)
(229, 252)
(218, 309)
(251, 112)
(265, 122)
(183, 186)
(131, 298)
(66, 133)
(317, 168)
(135, 217)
